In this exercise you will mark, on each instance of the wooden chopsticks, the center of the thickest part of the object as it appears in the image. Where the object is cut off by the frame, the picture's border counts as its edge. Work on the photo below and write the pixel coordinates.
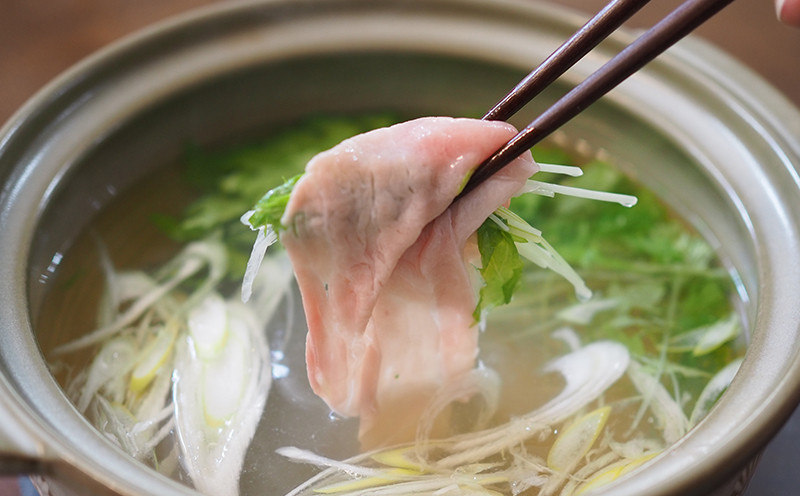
(571, 51)
(649, 45)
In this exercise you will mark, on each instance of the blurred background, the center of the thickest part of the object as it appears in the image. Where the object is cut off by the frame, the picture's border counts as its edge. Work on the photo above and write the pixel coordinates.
(40, 39)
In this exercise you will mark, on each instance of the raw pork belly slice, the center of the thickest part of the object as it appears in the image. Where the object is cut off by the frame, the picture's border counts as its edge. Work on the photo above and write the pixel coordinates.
(386, 269)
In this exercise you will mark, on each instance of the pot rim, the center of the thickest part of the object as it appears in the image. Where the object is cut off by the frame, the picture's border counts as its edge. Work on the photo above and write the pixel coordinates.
(696, 63)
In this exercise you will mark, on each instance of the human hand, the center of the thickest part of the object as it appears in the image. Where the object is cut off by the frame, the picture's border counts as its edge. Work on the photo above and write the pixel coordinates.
(788, 11)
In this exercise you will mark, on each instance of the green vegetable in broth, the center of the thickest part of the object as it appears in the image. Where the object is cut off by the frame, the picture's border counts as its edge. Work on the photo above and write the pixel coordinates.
(501, 266)
(270, 208)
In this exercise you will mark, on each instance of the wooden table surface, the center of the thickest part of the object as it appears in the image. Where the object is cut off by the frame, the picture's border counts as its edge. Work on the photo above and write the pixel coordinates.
(40, 39)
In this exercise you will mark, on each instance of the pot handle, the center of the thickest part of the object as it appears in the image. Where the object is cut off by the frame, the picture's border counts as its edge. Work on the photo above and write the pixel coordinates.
(20, 451)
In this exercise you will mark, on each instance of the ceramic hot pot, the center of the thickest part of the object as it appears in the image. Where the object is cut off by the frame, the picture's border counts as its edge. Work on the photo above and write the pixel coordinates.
(712, 139)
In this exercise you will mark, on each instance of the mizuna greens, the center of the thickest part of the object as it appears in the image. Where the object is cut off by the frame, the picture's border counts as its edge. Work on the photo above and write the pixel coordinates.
(181, 369)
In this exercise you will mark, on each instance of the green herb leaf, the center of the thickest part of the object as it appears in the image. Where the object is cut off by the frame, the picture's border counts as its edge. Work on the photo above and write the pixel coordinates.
(501, 267)
(271, 206)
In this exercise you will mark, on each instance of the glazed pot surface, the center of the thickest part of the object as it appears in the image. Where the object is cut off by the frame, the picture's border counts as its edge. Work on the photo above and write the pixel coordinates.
(725, 159)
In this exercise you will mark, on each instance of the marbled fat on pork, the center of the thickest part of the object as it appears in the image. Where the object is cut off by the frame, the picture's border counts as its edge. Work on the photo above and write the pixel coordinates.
(386, 269)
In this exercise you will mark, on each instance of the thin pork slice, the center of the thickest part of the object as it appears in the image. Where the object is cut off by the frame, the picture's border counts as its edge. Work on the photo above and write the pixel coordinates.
(386, 269)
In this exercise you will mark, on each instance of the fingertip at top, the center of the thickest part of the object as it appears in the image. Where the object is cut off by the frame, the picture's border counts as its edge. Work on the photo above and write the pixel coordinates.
(788, 11)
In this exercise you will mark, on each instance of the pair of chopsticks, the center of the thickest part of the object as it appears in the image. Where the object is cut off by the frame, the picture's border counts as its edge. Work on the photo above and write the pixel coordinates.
(649, 45)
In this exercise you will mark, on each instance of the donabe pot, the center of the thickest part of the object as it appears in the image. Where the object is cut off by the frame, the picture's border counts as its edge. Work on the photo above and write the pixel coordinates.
(711, 138)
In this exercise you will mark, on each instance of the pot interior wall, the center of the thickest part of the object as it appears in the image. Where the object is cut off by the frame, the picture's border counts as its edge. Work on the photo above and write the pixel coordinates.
(703, 145)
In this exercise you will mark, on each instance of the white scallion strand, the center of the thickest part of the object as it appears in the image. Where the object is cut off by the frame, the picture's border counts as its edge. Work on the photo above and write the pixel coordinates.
(265, 237)
(566, 170)
(222, 377)
(548, 189)
(669, 416)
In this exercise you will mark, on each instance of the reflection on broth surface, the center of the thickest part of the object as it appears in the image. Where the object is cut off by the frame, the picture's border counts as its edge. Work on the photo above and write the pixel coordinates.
(579, 392)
